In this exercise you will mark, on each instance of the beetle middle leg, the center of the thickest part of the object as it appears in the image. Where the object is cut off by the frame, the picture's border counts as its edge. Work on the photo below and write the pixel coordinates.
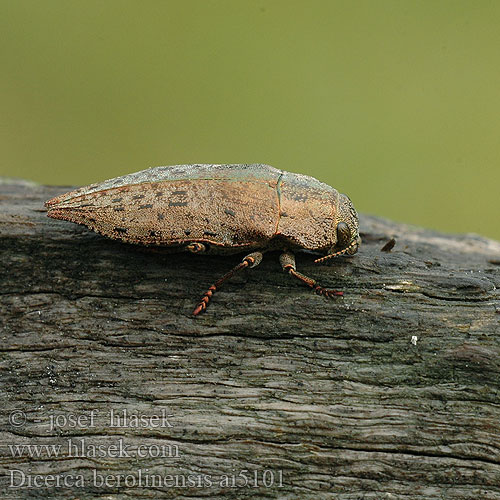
(251, 260)
(196, 247)
(287, 261)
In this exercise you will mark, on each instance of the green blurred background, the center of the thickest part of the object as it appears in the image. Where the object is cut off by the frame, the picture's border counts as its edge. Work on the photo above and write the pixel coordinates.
(396, 103)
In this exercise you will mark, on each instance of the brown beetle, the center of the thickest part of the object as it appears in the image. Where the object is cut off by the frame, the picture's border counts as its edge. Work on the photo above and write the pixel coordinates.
(219, 209)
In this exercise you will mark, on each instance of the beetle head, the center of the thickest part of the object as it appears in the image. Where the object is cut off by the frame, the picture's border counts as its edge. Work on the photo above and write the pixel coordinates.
(347, 230)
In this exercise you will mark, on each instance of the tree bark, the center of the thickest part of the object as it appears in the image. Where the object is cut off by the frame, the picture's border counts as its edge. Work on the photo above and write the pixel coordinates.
(392, 391)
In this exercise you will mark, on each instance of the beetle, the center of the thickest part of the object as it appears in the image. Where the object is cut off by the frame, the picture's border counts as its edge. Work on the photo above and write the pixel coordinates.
(219, 209)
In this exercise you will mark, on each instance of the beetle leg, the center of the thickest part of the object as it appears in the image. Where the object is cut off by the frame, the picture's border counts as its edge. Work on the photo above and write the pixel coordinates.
(287, 261)
(196, 247)
(251, 260)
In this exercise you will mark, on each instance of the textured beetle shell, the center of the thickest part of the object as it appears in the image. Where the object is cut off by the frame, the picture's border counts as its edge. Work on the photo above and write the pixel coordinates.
(229, 207)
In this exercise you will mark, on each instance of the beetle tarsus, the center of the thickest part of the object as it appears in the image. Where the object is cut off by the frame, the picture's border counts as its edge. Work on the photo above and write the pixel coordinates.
(327, 293)
(251, 260)
(287, 260)
(202, 305)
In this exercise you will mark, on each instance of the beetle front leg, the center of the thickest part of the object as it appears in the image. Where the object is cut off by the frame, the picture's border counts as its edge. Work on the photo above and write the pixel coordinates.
(251, 260)
(287, 261)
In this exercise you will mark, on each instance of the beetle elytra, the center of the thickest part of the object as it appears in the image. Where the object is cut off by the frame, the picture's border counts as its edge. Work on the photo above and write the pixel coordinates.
(219, 209)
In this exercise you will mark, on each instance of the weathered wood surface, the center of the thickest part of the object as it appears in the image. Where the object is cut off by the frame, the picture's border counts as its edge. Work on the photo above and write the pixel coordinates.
(272, 378)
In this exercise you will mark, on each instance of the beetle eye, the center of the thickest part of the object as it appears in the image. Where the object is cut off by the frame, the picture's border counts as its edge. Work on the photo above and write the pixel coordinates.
(343, 235)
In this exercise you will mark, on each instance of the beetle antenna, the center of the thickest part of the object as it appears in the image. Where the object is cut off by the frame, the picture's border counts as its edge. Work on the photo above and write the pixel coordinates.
(336, 254)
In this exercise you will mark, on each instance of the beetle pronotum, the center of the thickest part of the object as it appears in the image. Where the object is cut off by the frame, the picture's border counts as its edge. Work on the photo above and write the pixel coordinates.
(219, 209)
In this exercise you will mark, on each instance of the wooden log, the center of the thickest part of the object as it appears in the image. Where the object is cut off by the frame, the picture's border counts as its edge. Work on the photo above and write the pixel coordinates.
(390, 392)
